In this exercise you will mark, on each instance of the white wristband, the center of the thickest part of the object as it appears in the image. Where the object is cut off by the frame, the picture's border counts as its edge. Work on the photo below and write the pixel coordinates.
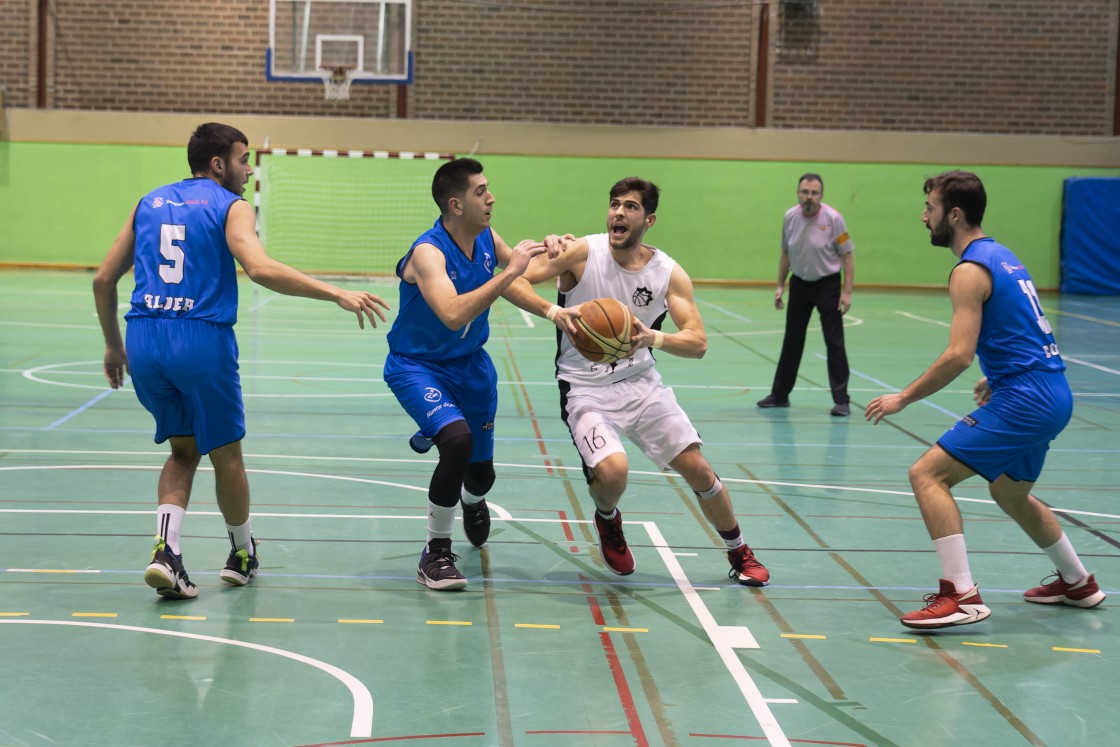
(658, 339)
(551, 315)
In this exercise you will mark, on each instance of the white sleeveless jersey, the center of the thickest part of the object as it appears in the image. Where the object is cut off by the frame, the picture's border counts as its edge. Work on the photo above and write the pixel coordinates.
(642, 290)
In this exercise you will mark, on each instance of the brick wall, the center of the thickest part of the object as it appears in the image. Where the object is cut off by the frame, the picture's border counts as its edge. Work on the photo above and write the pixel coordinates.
(1007, 66)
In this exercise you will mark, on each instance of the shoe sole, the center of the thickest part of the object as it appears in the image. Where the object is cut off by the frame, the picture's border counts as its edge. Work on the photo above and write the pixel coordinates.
(451, 584)
(156, 577)
(752, 582)
(1087, 603)
(970, 613)
(234, 578)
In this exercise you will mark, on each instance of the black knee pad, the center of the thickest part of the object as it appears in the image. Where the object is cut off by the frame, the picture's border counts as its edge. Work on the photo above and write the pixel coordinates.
(480, 477)
(454, 443)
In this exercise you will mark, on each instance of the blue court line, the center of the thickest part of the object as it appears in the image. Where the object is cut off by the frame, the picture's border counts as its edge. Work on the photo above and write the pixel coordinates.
(83, 408)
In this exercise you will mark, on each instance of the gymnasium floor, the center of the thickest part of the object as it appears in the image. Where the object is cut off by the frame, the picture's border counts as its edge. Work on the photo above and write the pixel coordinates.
(335, 643)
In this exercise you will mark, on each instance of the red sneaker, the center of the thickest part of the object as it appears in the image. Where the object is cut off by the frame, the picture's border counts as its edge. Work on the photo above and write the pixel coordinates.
(1085, 593)
(946, 607)
(612, 544)
(745, 567)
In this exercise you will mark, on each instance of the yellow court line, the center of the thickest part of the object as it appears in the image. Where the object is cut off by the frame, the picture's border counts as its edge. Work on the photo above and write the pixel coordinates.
(892, 640)
(1077, 650)
(93, 614)
(533, 625)
(272, 619)
(14, 614)
(367, 622)
(625, 630)
(48, 570)
(986, 645)
(803, 635)
(181, 617)
(449, 622)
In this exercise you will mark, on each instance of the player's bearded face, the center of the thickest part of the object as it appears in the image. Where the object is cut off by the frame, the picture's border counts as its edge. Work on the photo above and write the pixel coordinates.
(237, 169)
(626, 221)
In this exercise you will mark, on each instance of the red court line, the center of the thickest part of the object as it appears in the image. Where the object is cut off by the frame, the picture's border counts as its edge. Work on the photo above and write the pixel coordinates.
(625, 697)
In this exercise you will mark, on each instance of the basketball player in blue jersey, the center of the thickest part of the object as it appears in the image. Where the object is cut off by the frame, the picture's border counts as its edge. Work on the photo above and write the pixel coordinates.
(601, 403)
(180, 349)
(437, 367)
(1024, 399)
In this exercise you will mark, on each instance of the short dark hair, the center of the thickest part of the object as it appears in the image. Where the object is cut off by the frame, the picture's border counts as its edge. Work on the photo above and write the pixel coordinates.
(209, 140)
(649, 191)
(961, 189)
(812, 177)
(452, 180)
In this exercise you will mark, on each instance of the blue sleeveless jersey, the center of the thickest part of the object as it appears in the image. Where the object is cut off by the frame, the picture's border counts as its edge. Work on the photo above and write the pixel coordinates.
(417, 332)
(184, 269)
(1015, 335)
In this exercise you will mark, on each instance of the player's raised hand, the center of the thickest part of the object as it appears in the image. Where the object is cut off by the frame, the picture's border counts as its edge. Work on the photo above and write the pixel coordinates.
(556, 244)
(521, 254)
(116, 364)
(363, 303)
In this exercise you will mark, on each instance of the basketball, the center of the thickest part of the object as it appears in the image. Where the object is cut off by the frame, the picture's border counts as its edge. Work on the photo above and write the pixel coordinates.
(603, 330)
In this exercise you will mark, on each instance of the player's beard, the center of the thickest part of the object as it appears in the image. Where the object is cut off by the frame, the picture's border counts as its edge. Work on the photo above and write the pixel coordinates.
(941, 234)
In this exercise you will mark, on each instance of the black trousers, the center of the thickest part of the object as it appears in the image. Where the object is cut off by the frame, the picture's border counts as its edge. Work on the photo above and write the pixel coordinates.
(804, 296)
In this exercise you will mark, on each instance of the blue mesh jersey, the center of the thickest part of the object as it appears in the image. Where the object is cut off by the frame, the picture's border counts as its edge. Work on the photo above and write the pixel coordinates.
(184, 269)
(1015, 335)
(417, 332)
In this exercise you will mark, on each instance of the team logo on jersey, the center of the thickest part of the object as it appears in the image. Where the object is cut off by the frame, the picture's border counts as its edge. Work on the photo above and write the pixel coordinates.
(968, 420)
(157, 202)
(453, 275)
(431, 394)
(488, 263)
(642, 297)
(1011, 269)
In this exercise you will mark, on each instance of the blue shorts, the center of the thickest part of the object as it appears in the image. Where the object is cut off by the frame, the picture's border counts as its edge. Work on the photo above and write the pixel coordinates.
(185, 374)
(435, 394)
(1011, 434)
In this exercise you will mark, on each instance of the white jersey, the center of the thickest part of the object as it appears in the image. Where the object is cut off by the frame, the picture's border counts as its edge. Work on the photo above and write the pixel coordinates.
(643, 290)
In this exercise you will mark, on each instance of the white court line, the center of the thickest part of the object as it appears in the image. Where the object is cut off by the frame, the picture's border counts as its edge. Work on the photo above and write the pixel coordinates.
(1080, 362)
(360, 726)
(725, 639)
(528, 318)
(915, 317)
(503, 515)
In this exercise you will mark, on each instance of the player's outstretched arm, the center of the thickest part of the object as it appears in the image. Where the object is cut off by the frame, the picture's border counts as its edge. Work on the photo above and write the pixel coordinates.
(246, 247)
(969, 288)
(116, 263)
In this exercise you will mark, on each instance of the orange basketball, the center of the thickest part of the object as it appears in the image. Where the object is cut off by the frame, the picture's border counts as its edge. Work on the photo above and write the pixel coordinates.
(603, 330)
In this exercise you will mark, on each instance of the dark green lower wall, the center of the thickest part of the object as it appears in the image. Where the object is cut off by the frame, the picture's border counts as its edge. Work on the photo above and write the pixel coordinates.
(64, 203)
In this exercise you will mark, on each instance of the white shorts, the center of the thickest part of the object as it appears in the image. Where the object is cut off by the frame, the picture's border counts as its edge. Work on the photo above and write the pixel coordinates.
(641, 408)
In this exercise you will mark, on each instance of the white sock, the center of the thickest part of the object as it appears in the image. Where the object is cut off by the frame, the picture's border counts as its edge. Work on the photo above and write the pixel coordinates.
(169, 524)
(610, 516)
(470, 500)
(241, 538)
(954, 562)
(440, 521)
(1064, 558)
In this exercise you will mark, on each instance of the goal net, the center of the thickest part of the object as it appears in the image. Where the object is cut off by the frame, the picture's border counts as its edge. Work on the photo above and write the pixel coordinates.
(343, 212)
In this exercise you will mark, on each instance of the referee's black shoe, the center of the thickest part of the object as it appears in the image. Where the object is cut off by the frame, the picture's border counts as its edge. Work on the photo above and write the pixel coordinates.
(771, 401)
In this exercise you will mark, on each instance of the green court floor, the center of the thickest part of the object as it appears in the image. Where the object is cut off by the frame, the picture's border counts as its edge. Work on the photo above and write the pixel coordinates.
(337, 644)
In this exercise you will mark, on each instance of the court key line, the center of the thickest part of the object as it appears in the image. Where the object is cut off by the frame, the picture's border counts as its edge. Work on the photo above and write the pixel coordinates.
(360, 726)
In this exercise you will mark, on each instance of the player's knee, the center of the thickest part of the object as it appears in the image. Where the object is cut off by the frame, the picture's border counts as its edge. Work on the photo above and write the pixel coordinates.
(480, 477)
(455, 444)
(711, 492)
(610, 475)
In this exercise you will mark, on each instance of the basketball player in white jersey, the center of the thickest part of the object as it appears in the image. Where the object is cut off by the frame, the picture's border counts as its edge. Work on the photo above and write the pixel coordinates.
(602, 402)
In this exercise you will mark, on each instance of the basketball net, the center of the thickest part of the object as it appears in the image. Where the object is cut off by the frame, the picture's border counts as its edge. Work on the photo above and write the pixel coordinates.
(336, 83)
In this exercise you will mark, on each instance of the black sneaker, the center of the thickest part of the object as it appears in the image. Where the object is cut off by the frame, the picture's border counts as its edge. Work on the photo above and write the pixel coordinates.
(420, 443)
(241, 567)
(476, 522)
(437, 567)
(841, 410)
(166, 574)
(771, 401)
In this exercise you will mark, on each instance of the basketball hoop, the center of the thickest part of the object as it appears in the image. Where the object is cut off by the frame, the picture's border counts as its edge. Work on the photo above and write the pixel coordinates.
(336, 82)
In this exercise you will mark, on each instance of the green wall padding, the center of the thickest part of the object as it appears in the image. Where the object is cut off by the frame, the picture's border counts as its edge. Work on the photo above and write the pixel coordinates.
(64, 203)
